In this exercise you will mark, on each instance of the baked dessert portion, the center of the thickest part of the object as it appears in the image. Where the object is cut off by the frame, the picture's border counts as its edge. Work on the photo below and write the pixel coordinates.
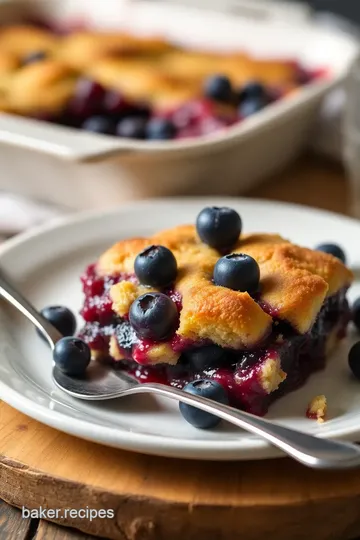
(259, 343)
(135, 87)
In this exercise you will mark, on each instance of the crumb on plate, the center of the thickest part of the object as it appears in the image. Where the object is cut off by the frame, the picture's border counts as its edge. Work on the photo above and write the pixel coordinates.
(317, 409)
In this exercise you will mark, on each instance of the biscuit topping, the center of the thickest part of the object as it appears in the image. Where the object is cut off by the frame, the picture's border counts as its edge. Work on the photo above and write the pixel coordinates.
(161, 309)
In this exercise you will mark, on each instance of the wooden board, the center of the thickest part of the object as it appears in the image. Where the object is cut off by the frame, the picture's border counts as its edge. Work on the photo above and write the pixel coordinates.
(166, 499)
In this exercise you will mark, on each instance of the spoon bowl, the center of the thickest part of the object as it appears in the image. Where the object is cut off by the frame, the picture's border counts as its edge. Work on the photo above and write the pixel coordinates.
(99, 383)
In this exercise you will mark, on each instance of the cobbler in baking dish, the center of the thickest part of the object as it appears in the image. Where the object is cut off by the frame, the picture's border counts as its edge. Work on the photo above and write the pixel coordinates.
(253, 312)
(133, 87)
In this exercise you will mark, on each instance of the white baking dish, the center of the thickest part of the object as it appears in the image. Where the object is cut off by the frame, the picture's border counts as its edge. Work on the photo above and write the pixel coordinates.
(82, 170)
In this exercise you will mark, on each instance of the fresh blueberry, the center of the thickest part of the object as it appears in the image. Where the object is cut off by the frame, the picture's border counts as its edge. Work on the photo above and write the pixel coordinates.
(252, 89)
(72, 356)
(33, 57)
(251, 106)
(218, 88)
(333, 249)
(62, 318)
(160, 129)
(156, 266)
(99, 124)
(220, 228)
(154, 316)
(132, 128)
(208, 389)
(356, 313)
(201, 358)
(239, 272)
(354, 359)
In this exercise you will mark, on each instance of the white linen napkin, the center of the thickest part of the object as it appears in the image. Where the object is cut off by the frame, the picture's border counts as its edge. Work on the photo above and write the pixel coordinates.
(18, 213)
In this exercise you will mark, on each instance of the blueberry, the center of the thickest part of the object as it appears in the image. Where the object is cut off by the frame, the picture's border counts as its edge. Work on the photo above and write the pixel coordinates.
(220, 228)
(218, 88)
(208, 389)
(132, 128)
(154, 316)
(356, 313)
(62, 318)
(33, 57)
(354, 359)
(99, 124)
(332, 249)
(156, 266)
(252, 89)
(160, 129)
(239, 272)
(205, 357)
(72, 356)
(251, 106)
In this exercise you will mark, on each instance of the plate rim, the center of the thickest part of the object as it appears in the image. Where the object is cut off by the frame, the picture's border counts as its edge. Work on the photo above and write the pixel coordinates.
(85, 215)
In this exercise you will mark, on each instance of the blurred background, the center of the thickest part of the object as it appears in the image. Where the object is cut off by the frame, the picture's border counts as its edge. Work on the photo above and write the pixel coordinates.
(302, 147)
(346, 8)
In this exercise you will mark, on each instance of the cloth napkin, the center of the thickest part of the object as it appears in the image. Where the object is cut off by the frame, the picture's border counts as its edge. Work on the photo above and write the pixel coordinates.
(18, 213)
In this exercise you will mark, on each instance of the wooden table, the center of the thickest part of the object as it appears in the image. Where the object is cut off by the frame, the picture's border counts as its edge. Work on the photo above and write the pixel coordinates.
(311, 181)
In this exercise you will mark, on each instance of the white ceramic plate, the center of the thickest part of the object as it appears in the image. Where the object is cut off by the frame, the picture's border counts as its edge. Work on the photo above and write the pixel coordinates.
(46, 264)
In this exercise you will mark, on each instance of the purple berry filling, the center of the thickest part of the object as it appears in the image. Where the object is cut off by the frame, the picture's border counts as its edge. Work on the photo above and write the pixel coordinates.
(238, 371)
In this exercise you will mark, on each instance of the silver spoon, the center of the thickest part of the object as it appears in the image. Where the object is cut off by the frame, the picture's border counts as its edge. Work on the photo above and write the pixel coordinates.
(103, 383)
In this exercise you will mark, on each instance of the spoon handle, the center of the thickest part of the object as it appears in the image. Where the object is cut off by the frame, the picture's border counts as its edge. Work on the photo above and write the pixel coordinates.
(307, 449)
(16, 299)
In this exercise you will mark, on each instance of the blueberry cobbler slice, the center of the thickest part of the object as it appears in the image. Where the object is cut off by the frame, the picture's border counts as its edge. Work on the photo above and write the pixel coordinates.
(253, 312)
(137, 87)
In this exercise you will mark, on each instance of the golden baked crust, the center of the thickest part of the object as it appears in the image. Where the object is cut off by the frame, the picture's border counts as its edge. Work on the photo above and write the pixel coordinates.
(239, 67)
(8, 63)
(44, 86)
(22, 40)
(294, 283)
(81, 49)
(143, 79)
